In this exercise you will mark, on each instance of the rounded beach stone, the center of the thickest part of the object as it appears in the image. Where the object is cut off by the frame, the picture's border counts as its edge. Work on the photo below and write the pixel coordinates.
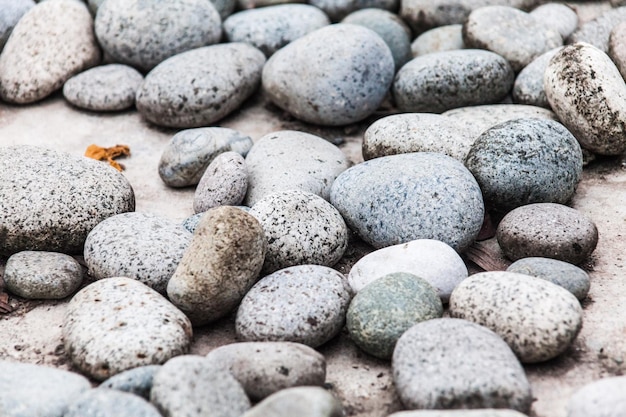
(44, 50)
(143, 33)
(558, 17)
(191, 222)
(54, 199)
(564, 274)
(299, 401)
(443, 38)
(617, 47)
(105, 88)
(526, 161)
(201, 86)
(224, 7)
(382, 311)
(547, 230)
(42, 275)
(587, 92)
(136, 381)
(528, 87)
(490, 412)
(220, 265)
(597, 31)
(305, 304)
(270, 28)
(450, 363)
(338, 9)
(305, 79)
(224, 183)
(601, 398)
(192, 386)
(432, 260)
(251, 4)
(119, 323)
(188, 154)
(538, 319)
(279, 365)
(292, 160)
(11, 11)
(445, 80)
(399, 198)
(110, 403)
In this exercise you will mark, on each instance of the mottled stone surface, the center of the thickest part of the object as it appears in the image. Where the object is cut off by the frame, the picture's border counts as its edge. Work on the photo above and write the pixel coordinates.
(490, 412)
(597, 31)
(558, 17)
(224, 7)
(224, 183)
(617, 47)
(136, 381)
(528, 88)
(601, 398)
(110, 403)
(443, 38)
(10, 13)
(338, 9)
(301, 402)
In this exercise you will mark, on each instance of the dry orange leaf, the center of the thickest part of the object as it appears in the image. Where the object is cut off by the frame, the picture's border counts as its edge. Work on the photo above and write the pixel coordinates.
(107, 154)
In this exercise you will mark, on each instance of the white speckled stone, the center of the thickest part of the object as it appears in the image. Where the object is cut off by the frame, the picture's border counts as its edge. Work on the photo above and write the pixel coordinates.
(617, 47)
(110, 403)
(224, 183)
(528, 88)
(299, 401)
(119, 323)
(601, 398)
(252, 4)
(443, 38)
(11, 12)
(338, 9)
(487, 412)
(597, 31)
(136, 381)
(305, 304)
(538, 319)
(558, 17)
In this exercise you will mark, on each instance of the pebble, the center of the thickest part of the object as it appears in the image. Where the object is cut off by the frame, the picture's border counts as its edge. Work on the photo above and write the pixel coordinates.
(564, 274)
(337, 10)
(526, 161)
(292, 160)
(279, 365)
(192, 386)
(270, 28)
(558, 17)
(299, 401)
(446, 80)
(491, 412)
(398, 198)
(382, 311)
(110, 403)
(528, 87)
(301, 228)
(511, 33)
(224, 183)
(44, 50)
(11, 12)
(547, 230)
(189, 153)
(305, 304)
(42, 275)
(144, 33)
(450, 363)
(105, 88)
(305, 79)
(116, 324)
(587, 92)
(601, 398)
(220, 265)
(94, 5)
(201, 86)
(136, 381)
(597, 31)
(28, 390)
(617, 47)
(54, 199)
(443, 38)
(539, 320)
(140, 246)
(224, 7)
(252, 4)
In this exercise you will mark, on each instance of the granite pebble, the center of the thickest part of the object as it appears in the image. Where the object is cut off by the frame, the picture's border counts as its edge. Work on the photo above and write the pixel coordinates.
(559, 17)
(601, 398)
(10, 13)
(299, 401)
(490, 412)
(224, 7)
(338, 9)
(191, 222)
(528, 87)
(597, 31)
(136, 381)
(439, 39)
(224, 183)
(253, 4)
(617, 47)
(110, 403)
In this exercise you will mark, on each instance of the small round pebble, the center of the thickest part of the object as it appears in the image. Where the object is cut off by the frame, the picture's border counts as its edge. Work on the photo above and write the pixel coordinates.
(528, 87)
(224, 183)
(10, 13)
(301, 402)
(191, 222)
(558, 17)
(601, 398)
(617, 47)
(597, 31)
(136, 381)
(338, 9)
(110, 403)
(547, 230)
(443, 38)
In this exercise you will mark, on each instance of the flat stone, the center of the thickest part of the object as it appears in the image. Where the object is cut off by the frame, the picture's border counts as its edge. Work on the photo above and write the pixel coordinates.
(528, 87)
(10, 13)
(301, 402)
(597, 31)
(136, 381)
(617, 47)
(338, 9)
(439, 39)
(604, 397)
(558, 17)
(224, 183)
(110, 403)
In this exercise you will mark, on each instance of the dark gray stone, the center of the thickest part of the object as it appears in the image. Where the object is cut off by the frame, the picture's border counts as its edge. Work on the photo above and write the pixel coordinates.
(301, 402)
(110, 403)
(443, 38)
(601, 398)
(558, 17)
(136, 381)
(224, 7)
(338, 9)
(528, 88)
(598, 31)
(224, 183)
(10, 13)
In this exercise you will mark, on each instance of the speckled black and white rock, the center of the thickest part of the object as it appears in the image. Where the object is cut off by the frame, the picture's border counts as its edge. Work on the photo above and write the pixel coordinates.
(601, 398)
(305, 79)
(564, 274)
(141, 246)
(450, 363)
(617, 47)
(443, 38)
(136, 381)
(526, 161)
(201, 86)
(305, 304)
(528, 87)
(44, 50)
(220, 265)
(28, 390)
(192, 386)
(119, 323)
(301, 228)
(538, 319)
(292, 160)
(436, 262)
(299, 401)
(382, 311)
(338, 9)
(597, 31)
(399, 198)
(110, 403)
(224, 183)
(490, 412)
(105, 88)
(42, 275)
(446, 80)
(547, 230)
(558, 17)
(54, 199)
(270, 28)
(10, 13)
(587, 92)
(278, 365)
(188, 154)
(143, 33)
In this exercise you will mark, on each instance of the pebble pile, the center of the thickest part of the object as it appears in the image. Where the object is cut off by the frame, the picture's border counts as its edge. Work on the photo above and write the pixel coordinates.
(493, 104)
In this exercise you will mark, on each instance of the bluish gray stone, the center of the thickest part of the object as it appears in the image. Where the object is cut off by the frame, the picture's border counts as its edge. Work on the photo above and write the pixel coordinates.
(399, 198)
(224, 183)
(251, 4)
(110, 403)
(224, 7)
(439, 39)
(10, 13)
(136, 381)
(191, 222)
(301, 402)
(528, 88)
(338, 9)
(558, 17)
(601, 398)
(597, 31)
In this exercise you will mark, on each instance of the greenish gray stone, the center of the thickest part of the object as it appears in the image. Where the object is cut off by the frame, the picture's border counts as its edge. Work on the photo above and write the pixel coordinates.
(301, 402)
(110, 403)
(136, 381)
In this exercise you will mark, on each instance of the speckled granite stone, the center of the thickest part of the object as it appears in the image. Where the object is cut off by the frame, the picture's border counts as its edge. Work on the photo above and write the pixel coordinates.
(136, 381)
(538, 319)
(54, 199)
(617, 47)
(449, 363)
(279, 365)
(10, 13)
(547, 230)
(601, 398)
(490, 412)
(224, 183)
(305, 304)
(338, 9)
(110, 403)
(528, 87)
(597, 31)
(301, 402)
(252, 4)
(558, 17)
(118, 323)
(220, 265)
(439, 39)
(201, 86)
